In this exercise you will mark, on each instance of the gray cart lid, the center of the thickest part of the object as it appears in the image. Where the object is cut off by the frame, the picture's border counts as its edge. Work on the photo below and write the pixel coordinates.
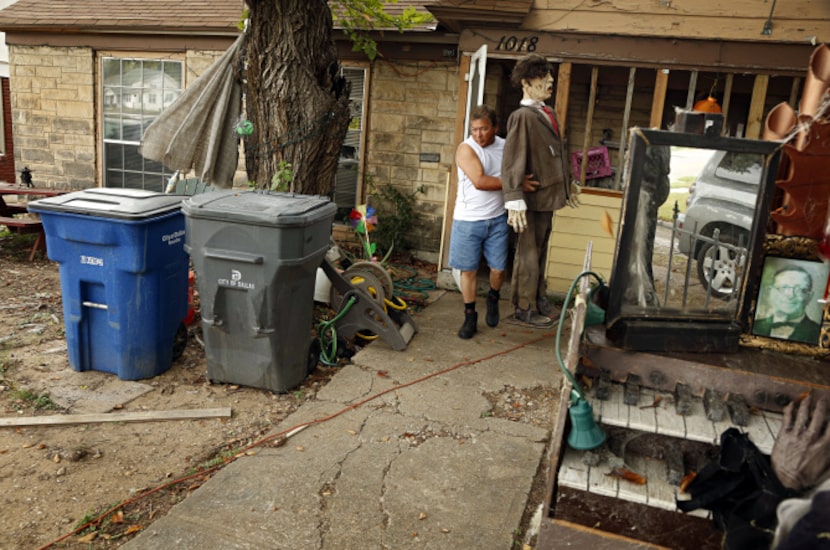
(260, 208)
(124, 204)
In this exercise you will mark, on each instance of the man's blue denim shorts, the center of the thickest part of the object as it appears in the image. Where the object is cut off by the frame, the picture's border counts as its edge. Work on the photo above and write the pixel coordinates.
(470, 239)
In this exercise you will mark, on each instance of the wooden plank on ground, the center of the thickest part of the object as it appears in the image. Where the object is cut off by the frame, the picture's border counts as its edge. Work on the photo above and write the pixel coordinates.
(564, 534)
(137, 416)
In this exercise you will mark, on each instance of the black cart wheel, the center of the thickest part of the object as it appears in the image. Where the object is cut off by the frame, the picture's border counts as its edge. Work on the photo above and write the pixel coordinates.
(313, 355)
(179, 342)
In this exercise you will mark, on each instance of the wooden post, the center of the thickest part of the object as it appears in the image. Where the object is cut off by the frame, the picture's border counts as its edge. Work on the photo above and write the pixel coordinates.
(727, 96)
(452, 178)
(563, 90)
(756, 107)
(658, 100)
(589, 119)
(690, 94)
(629, 96)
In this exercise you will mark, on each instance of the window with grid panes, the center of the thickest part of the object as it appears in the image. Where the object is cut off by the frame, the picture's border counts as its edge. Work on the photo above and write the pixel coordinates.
(134, 91)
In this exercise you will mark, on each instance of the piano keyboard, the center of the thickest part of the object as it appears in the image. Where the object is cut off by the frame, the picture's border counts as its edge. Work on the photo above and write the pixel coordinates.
(655, 412)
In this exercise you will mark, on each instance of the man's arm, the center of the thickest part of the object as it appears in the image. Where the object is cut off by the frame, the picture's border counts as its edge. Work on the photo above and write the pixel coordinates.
(468, 161)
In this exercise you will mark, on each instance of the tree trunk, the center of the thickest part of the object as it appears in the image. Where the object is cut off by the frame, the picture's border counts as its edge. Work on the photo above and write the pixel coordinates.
(295, 96)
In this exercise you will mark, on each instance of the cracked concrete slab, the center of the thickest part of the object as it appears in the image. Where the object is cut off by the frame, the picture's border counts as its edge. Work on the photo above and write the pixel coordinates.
(424, 465)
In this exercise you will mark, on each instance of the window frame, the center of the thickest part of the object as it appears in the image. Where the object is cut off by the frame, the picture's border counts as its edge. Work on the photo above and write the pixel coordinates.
(359, 161)
(102, 142)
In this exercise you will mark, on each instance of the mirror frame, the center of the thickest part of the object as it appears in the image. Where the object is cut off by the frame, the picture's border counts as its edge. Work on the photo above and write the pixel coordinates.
(789, 248)
(653, 329)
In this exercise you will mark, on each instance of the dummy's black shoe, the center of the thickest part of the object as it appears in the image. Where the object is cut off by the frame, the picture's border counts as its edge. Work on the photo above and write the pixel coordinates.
(468, 329)
(492, 311)
(532, 319)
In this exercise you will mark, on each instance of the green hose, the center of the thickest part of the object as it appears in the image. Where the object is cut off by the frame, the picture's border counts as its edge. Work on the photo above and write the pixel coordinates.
(576, 390)
(328, 351)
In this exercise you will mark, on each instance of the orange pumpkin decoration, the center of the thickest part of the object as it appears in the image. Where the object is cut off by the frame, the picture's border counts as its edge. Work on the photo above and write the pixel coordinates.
(708, 105)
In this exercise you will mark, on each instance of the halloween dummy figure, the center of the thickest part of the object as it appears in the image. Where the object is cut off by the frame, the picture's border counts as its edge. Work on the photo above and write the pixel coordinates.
(654, 190)
(534, 146)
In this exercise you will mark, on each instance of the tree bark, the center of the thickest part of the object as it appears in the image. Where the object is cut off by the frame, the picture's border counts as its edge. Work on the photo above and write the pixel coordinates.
(295, 97)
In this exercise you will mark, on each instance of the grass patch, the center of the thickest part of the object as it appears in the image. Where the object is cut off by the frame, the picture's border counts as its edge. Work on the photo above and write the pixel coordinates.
(666, 210)
(27, 398)
(16, 246)
(684, 181)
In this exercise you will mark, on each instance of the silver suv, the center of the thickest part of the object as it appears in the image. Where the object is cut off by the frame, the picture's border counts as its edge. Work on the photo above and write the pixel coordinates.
(722, 198)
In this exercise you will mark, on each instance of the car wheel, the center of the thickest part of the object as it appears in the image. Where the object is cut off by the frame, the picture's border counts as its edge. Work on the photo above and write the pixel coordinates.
(718, 267)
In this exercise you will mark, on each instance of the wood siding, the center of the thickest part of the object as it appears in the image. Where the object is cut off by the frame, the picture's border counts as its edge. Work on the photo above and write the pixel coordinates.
(573, 228)
(792, 21)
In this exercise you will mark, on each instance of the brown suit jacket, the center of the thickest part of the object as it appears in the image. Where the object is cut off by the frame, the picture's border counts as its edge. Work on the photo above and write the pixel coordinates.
(532, 147)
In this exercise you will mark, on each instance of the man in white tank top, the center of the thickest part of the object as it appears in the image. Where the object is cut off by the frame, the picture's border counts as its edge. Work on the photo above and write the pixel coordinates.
(479, 219)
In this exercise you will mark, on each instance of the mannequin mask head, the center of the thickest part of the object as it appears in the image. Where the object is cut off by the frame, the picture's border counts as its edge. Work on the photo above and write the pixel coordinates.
(539, 88)
(532, 74)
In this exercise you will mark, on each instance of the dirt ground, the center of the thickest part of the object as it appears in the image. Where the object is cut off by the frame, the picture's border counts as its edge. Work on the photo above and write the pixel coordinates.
(55, 479)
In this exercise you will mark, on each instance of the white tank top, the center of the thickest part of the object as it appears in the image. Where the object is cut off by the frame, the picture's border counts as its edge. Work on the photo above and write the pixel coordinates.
(473, 204)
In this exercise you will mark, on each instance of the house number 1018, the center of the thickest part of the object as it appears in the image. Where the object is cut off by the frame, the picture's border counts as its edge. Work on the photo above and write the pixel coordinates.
(514, 44)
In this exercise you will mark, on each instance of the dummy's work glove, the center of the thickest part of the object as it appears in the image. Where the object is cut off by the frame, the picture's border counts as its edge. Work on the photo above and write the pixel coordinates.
(516, 217)
(801, 454)
(573, 196)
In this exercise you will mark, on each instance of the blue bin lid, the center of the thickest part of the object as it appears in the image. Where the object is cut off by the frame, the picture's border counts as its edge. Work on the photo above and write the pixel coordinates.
(107, 202)
(266, 208)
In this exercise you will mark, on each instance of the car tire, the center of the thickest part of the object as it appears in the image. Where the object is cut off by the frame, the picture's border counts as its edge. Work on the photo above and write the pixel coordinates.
(722, 263)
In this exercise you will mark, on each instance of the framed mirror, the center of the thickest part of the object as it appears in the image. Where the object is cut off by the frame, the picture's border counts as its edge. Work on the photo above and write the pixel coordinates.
(688, 247)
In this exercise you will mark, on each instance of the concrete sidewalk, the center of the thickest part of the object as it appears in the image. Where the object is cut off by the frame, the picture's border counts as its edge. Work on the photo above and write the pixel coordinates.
(403, 452)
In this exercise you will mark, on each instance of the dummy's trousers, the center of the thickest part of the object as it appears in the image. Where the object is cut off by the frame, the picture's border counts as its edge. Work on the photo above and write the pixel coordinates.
(528, 279)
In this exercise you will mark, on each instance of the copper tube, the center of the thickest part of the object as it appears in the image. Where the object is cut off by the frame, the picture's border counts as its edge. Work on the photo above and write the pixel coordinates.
(817, 81)
(779, 123)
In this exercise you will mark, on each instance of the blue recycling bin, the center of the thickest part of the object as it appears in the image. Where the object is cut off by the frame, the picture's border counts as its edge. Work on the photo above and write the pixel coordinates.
(123, 272)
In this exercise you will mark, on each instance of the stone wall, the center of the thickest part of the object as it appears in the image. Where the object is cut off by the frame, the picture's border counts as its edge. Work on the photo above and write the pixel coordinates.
(411, 138)
(410, 126)
(52, 101)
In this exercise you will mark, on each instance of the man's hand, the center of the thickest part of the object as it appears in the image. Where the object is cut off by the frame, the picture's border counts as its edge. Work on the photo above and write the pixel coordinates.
(801, 454)
(516, 217)
(530, 185)
(573, 196)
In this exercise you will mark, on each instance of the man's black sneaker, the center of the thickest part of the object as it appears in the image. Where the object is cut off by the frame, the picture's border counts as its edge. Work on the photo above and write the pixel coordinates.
(468, 329)
(492, 312)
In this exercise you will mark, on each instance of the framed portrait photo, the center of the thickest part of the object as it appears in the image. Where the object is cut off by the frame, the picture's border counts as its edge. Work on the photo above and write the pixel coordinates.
(789, 312)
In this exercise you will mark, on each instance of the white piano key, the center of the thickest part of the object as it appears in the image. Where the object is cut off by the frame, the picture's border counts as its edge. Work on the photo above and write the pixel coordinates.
(641, 417)
(630, 491)
(572, 472)
(668, 421)
(722, 426)
(774, 421)
(701, 513)
(599, 482)
(613, 411)
(698, 427)
(759, 433)
(660, 491)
